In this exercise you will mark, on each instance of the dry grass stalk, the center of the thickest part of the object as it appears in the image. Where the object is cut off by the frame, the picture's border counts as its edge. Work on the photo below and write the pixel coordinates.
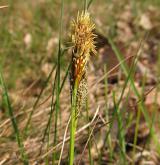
(1, 7)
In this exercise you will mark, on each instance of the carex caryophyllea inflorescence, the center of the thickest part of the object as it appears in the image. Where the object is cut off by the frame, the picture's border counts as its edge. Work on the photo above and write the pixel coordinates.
(82, 37)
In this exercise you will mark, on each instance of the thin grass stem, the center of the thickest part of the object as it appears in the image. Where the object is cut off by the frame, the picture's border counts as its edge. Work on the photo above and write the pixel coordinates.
(57, 106)
(73, 123)
(13, 121)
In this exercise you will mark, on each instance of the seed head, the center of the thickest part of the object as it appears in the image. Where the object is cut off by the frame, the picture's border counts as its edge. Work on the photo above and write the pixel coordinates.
(82, 37)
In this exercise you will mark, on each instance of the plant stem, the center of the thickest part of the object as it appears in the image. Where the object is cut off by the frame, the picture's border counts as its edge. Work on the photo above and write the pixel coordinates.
(85, 5)
(14, 122)
(73, 124)
(57, 106)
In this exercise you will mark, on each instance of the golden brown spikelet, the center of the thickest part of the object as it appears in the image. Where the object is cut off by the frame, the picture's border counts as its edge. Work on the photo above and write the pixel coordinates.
(82, 37)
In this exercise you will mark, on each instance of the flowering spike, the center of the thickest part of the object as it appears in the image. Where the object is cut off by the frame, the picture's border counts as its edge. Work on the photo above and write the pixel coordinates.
(82, 37)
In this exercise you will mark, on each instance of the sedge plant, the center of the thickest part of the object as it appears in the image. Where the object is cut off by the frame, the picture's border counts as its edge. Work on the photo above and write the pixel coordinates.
(82, 38)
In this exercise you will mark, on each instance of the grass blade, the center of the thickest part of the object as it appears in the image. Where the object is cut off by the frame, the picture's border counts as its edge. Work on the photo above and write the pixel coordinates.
(57, 106)
(13, 121)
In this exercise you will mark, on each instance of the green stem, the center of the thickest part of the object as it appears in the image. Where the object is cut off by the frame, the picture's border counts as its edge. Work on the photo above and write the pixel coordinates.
(13, 121)
(57, 106)
(85, 5)
(73, 124)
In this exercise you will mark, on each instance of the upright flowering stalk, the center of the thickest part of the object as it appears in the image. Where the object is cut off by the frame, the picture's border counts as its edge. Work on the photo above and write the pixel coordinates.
(82, 37)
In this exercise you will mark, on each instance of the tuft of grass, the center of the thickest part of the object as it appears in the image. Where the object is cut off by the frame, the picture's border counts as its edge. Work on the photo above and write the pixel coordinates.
(141, 105)
(121, 132)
